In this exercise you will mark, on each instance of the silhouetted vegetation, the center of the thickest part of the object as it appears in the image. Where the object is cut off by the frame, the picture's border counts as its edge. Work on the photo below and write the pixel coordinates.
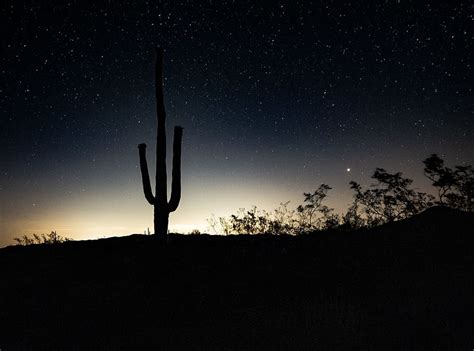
(255, 221)
(455, 186)
(51, 238)
(390, 199)
(313, 215)
(310, 216)
(162, 208)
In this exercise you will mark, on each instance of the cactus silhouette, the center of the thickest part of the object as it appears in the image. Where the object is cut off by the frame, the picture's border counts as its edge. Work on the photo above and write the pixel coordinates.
(162, 208)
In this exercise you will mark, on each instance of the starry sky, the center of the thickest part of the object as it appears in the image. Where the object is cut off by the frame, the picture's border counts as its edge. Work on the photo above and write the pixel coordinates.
(275, 97)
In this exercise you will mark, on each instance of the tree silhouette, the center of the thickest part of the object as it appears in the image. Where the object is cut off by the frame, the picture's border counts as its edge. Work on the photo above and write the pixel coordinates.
(309, 219)
(162, 208)
(390, 199)
(455, 186)
(352, 220)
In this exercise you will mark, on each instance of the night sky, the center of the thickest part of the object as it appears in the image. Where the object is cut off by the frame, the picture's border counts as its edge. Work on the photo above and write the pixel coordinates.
(275, 98)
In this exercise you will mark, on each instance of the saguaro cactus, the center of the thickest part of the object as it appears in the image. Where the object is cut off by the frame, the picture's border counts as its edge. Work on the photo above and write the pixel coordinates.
(162, 208)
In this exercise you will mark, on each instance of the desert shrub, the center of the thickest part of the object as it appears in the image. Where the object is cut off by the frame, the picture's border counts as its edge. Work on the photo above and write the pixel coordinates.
(255, 221)
(455, 187)
(310, 216)
(352, 219)
(282, 220)
(35, 239)
(252, 221)
(219, 225)
(389, 200)
(313, 215)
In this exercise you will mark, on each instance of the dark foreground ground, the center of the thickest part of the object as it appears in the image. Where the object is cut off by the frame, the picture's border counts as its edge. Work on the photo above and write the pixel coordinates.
(406, 286)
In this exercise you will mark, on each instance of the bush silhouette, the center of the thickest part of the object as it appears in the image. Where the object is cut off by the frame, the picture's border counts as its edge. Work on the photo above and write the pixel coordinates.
(313, 215)
(310, 216)
(455, 186)
(389, 200)
(392, 198)
(51, 238)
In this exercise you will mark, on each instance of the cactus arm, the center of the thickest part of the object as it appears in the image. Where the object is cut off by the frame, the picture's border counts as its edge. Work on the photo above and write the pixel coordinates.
(145, 176)
(176, 181)
(161, 176)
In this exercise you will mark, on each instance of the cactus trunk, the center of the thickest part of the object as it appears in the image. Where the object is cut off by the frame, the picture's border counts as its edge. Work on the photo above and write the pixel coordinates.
(161, 221)
(162, 207)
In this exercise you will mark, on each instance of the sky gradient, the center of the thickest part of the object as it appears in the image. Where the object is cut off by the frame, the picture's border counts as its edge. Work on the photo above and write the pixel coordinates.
(275, 98)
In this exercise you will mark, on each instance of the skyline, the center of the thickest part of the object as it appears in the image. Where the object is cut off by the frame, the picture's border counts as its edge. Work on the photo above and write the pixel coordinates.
(274, 99)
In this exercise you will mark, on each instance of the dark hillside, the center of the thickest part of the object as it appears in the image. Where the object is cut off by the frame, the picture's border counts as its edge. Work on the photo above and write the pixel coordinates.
(407, 285)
